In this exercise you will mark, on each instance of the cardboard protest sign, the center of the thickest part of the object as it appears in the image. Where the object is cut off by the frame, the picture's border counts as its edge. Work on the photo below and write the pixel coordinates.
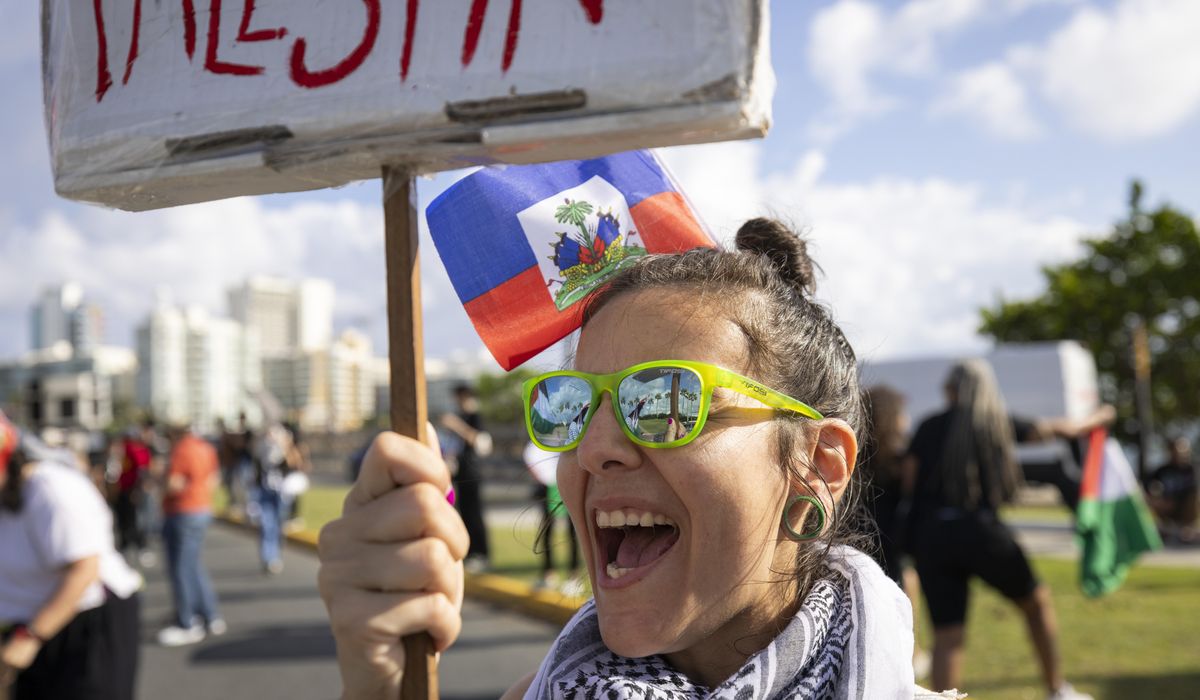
(523, 245)
(155, 104)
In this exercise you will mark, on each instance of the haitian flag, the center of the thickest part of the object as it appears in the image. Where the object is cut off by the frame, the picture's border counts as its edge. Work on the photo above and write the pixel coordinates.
(524, 244)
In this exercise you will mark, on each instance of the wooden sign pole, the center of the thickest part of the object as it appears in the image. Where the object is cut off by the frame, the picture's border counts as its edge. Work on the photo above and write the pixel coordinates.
(407, 358)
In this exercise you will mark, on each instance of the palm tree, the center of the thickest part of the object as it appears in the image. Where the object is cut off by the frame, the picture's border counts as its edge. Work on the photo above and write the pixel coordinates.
(575, 213)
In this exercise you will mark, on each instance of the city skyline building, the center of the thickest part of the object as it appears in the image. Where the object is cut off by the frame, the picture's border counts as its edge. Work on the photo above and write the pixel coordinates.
(60, 315)
(331, 389)
(195, 368)
(287, 316)
(57, 388)
(275, 358)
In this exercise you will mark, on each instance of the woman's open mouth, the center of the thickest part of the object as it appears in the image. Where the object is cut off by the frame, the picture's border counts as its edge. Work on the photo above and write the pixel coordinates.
(628, 542)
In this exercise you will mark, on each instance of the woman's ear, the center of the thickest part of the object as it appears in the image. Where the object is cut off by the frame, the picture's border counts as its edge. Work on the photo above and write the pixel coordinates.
(832, 455)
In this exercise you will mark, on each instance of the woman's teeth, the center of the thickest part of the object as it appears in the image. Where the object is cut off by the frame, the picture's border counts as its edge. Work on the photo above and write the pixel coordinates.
(620, 518)
(626, 519)
(616, 572)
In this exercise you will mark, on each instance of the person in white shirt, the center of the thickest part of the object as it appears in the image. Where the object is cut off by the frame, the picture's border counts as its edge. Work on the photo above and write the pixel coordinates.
(69, 604)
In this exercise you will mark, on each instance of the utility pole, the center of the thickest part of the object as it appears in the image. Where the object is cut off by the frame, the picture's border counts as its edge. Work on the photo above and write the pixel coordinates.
(1141, 378)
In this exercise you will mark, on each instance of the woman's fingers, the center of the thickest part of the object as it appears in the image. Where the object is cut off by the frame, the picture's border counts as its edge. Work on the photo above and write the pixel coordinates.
(431, 438)
(392, 564)
(368, 627)
(416, 566)
(394, 460)
(409, 513)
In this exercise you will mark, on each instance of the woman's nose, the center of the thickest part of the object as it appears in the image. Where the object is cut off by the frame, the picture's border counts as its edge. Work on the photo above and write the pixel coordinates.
(604, 446)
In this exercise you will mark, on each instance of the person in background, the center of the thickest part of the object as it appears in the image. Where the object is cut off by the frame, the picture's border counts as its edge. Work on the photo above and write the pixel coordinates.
(965, 465)
(296, 482)
(131, 489)
(467, 425)
(192, 476)
(1171, 492)
(69, 604)
(277, 458)
(543, 466)
(225, 459)
(240, 449)
(884, 504)
(150, 503)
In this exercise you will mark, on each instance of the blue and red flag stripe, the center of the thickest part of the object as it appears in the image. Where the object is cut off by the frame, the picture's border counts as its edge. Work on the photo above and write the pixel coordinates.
(493, 265)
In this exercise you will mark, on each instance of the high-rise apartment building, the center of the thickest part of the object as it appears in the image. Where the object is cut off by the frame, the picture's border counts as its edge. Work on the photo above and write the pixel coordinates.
(61, 316)
(68, 379)
(162, 364)
(286, 316)
(330, 389)
(195, 368)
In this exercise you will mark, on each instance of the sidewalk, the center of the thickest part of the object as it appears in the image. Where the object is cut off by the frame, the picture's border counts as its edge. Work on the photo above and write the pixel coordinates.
(1058, 541)
(279, 646)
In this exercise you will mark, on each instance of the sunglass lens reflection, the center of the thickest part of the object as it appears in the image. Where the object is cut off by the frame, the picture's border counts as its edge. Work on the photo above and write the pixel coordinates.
(558, 409)
(661, 404)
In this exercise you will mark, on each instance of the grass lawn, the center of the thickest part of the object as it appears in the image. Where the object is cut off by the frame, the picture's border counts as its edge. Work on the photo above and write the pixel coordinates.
(1141, 642)
(1049, 515)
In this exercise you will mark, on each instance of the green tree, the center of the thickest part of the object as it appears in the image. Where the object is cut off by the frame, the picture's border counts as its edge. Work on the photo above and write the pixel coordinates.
(500, 396)
(1147, 268)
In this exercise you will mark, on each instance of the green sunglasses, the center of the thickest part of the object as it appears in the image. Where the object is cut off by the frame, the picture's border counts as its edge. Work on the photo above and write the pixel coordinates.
(658, 404)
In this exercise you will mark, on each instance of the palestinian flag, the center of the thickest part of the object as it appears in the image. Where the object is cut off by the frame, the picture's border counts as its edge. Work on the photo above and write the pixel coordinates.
(1112, 521)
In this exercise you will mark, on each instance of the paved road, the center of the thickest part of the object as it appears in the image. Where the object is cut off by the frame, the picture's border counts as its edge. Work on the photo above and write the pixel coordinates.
(279, 646)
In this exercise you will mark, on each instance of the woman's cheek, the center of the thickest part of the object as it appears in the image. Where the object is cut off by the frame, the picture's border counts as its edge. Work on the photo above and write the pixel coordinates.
(568, 476)
(570, 488)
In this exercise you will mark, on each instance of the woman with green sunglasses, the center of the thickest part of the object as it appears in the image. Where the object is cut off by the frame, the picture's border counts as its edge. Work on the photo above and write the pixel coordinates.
(708, 441)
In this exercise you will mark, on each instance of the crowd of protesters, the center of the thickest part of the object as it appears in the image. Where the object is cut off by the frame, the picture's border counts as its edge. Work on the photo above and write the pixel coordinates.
(75, 534)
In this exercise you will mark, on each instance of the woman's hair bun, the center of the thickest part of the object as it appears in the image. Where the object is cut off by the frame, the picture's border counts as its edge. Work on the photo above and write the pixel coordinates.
(783, 248)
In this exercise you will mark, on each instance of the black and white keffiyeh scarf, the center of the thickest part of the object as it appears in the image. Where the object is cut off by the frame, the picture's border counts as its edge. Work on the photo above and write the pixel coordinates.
(851, 638)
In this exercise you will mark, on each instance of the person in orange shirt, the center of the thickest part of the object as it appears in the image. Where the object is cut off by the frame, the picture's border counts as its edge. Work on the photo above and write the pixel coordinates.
(192, 477)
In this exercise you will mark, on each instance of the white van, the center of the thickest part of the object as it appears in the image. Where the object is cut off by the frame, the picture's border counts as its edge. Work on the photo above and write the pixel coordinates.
(1038, 380)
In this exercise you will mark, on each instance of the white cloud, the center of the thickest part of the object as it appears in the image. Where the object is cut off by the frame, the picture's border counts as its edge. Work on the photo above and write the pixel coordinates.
(921, 23)
(199, 251)
(1130, 73)
(845, 45)
(853, 41)
(1016, 7)
(907, 262)
(992, 94)
(1127, 72)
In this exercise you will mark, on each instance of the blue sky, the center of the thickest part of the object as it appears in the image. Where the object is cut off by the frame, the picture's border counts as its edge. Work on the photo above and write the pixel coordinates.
(937, 151)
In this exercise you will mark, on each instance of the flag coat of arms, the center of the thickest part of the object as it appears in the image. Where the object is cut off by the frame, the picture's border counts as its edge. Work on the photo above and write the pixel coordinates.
(1112, 520)
(524, 244)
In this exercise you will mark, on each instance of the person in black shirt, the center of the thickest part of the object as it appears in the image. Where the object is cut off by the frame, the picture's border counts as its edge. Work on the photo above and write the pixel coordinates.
(883, 453)
(965, 466)
(1171, 491)
(468, 426)
(884, 504)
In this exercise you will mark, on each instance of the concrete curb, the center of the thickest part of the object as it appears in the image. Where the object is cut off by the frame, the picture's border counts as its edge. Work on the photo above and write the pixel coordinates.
(547, 605)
